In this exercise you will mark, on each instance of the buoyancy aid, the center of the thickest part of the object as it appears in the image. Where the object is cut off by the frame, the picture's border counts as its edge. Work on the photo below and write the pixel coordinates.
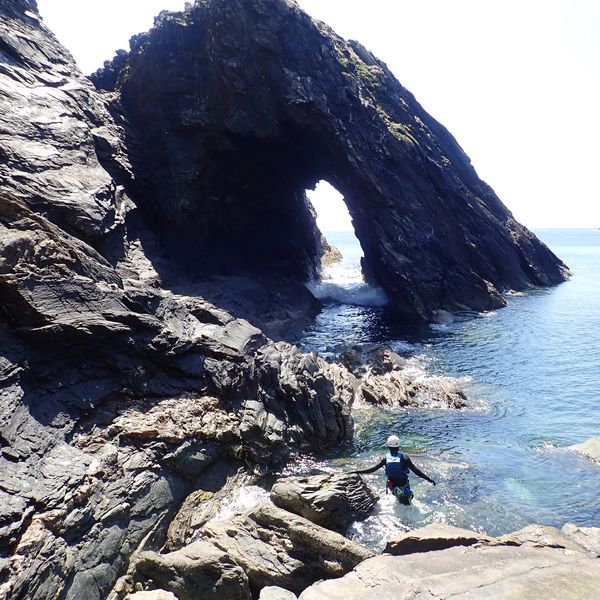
(396, 468)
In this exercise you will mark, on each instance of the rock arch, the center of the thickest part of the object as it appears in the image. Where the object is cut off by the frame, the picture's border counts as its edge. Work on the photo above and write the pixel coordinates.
(236, 107)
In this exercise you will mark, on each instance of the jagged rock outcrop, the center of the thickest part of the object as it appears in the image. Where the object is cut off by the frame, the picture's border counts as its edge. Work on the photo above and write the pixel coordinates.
(118, 396)
(127, 379)
(275, 547)
(332, 501)
(384, 380)
(237, 107)
(331, 255)
(440, 561)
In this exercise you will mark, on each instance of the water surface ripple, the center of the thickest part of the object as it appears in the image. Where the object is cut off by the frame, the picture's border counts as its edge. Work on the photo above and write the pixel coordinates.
(534, 370)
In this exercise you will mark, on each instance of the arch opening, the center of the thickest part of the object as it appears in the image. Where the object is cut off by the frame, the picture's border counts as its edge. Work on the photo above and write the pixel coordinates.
(341, 278)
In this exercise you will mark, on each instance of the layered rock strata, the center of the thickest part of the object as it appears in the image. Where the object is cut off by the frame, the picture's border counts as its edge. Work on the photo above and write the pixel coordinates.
(118, 396)
(235, 108)
(129, 381)
(263, 547)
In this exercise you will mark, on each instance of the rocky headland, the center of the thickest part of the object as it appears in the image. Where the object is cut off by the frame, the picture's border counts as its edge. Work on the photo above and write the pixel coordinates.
(155, 237)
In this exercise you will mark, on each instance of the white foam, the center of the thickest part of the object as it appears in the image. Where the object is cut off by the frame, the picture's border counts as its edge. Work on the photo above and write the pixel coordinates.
(246, 498)
(358, 294)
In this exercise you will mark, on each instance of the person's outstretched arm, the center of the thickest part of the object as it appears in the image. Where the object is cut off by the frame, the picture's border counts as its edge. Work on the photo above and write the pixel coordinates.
(417, 471)
(380, 464)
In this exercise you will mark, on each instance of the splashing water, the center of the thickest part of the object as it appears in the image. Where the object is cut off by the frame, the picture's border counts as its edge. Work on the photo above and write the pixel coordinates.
(342, 282)
(532, 373)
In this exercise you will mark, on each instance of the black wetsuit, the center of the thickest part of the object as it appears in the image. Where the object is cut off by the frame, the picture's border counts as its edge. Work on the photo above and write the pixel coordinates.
(399, 485)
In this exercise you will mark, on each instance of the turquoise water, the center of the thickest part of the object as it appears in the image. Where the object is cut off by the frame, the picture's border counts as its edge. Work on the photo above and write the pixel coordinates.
(532, 371)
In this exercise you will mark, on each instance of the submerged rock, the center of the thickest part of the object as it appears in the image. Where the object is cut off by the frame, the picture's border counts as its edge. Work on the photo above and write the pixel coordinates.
(590, 449)
(332, 501)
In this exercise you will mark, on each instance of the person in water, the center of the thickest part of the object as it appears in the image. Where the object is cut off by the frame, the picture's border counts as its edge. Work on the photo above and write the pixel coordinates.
(397, 466)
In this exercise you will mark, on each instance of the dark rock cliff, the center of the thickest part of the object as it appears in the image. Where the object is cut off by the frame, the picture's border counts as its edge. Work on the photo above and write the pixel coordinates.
(236, 108)
(126, 381)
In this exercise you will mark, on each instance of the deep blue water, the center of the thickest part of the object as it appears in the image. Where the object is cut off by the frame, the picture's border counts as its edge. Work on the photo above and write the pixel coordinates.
(532, 371)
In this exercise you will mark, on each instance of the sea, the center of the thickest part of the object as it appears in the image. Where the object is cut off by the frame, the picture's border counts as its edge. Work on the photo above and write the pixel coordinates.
(531, 372)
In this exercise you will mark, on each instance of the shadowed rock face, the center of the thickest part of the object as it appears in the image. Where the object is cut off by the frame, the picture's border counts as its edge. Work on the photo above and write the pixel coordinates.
(118, 396)
(237, 107)
(123, 387)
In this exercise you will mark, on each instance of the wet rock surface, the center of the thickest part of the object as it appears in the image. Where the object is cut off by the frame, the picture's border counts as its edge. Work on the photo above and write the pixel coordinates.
(590, 449)
(385, 379)
(332, 501)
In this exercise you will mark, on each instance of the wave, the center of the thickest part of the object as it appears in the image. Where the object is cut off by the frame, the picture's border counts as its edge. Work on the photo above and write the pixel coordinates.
(359, 294)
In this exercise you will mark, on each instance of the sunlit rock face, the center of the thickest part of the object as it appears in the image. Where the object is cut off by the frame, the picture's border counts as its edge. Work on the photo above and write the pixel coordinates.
(237, 107)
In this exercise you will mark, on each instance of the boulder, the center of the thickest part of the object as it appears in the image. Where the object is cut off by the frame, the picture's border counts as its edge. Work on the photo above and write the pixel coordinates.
(590, 449)
(436, 536)
(474, 573)
(199, 570)
(332, 501)
(272, 592)
(275, 547)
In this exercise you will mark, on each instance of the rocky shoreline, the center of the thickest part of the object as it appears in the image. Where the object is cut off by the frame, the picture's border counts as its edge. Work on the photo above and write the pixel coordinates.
(273, 553)
(155, 239)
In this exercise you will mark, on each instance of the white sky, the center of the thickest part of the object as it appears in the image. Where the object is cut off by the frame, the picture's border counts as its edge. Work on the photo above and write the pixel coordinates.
(517, 82)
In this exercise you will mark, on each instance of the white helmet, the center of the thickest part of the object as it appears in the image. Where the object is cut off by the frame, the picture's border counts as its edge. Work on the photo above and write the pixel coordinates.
(393, 441)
